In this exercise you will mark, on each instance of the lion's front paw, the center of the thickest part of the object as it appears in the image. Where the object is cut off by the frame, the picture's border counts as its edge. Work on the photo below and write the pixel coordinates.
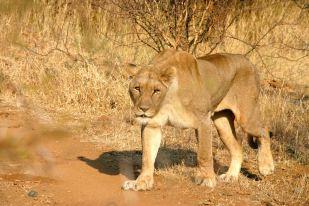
(228, 177)
(141, 183)
(206, 181)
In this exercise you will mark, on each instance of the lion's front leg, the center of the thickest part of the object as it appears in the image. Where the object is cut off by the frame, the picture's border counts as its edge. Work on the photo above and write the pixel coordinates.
(151, 139)
(205, 175)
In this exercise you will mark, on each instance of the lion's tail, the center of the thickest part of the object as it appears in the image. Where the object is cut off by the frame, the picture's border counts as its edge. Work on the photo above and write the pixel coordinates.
(253, 142)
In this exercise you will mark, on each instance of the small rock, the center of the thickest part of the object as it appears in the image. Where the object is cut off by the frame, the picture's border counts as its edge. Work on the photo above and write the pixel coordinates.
(33, 193)
(205, 202)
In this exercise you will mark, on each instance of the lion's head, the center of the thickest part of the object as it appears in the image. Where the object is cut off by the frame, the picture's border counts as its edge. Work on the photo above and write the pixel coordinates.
(148, 88)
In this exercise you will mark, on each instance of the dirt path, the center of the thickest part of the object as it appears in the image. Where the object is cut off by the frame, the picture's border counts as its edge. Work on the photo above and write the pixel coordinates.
(80, 184)
(75, 177)
(83, 173)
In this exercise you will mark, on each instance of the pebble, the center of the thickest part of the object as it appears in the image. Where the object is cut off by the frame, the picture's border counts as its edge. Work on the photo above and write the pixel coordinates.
(33, 193)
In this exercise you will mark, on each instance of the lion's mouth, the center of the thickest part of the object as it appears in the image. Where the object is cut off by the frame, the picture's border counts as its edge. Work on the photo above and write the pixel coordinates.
(141, 115)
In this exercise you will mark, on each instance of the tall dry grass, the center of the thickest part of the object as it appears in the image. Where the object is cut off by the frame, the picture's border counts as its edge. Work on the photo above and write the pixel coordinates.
(66, 58)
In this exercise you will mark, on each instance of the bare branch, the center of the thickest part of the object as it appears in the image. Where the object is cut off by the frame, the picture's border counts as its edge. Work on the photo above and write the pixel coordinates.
(178, 24)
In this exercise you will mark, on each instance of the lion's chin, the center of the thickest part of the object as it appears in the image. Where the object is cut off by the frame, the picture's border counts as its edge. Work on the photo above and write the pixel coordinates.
(142, 120)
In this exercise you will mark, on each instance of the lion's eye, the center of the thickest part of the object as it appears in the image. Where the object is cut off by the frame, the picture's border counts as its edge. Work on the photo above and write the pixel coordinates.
(137, 89)
(156, 91)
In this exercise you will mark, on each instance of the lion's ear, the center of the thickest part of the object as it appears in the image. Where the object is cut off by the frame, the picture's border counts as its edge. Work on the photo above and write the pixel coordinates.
(131, 70)
(168, 75)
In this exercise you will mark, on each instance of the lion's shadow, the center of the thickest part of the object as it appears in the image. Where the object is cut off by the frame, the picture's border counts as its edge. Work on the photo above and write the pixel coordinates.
(128, 163)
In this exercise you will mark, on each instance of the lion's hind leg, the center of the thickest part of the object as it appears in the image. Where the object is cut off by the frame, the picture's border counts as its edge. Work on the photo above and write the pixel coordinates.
(224, 123)
(265, 159)
(253, 126)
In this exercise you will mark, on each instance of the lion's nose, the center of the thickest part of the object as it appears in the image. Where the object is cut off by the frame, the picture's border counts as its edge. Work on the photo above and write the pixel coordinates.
(144, 108)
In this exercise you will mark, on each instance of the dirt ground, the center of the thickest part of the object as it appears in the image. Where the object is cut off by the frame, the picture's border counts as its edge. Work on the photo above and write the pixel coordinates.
(78, 172)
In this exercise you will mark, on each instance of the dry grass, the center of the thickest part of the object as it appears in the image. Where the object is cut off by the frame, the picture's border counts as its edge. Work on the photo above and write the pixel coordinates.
(71, 63)
(68, 64)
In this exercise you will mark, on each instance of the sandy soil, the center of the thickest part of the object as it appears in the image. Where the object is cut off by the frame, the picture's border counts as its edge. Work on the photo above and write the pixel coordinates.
(83, 173)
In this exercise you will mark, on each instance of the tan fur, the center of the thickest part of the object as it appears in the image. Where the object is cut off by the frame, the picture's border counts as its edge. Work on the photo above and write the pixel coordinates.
(179, 90)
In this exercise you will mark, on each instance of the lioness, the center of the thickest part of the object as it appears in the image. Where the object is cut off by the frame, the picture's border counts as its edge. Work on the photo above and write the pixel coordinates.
(182, 91)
